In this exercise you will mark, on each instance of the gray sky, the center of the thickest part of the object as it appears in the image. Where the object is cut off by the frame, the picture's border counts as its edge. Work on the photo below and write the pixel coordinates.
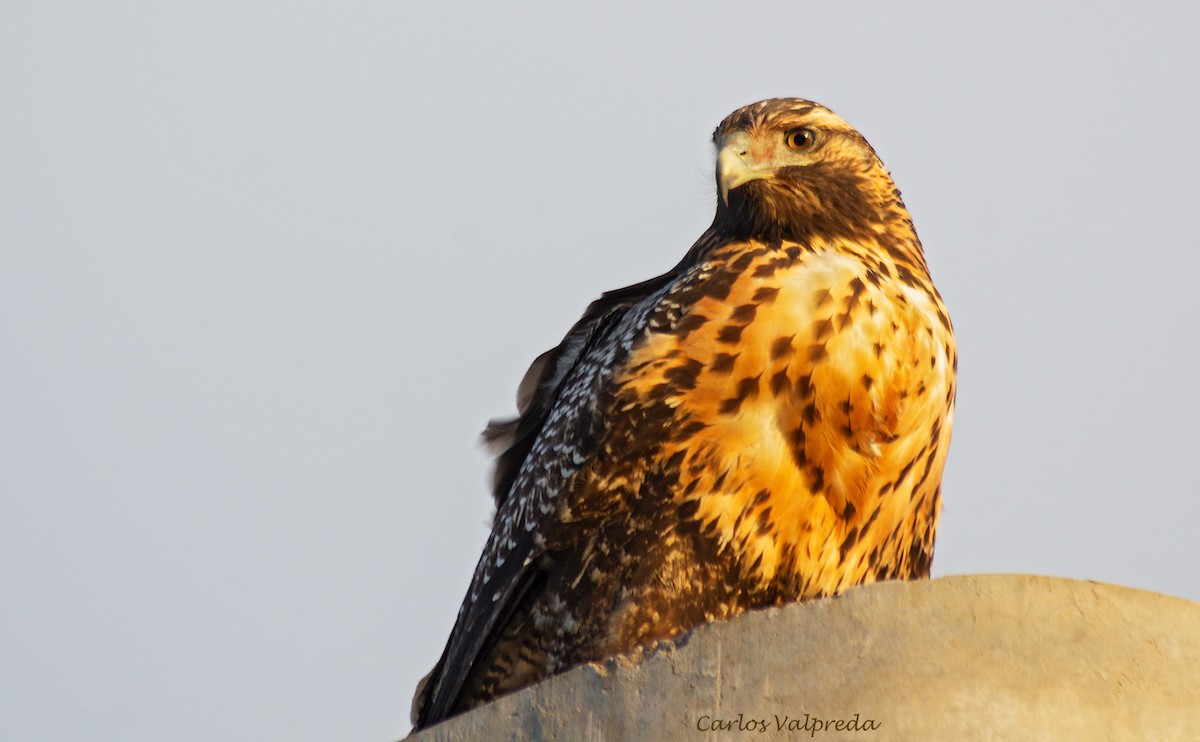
(267, 269)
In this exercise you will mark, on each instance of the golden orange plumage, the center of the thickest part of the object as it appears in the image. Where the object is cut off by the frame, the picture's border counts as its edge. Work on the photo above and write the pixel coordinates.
(766, 422)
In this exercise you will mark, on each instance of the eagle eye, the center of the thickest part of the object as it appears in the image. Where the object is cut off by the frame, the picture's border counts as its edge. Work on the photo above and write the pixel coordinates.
(799, 139)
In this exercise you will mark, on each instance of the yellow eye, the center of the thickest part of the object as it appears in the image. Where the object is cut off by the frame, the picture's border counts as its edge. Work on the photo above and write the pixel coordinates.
(799, 139)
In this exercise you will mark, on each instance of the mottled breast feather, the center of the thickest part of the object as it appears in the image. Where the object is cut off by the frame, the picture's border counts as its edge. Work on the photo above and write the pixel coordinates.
(766, 422)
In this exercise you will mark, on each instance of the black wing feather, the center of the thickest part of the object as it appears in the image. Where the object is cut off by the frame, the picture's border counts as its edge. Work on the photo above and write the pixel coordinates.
(476, 640)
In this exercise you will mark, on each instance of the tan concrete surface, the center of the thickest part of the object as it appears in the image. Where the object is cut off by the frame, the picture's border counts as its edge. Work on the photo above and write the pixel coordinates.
(980, 657)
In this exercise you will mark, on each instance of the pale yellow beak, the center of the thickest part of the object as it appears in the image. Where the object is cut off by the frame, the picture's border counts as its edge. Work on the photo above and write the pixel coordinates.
(734, 167)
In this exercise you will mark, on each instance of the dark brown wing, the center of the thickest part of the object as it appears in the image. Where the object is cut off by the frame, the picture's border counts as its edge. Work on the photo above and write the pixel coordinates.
(514, 561)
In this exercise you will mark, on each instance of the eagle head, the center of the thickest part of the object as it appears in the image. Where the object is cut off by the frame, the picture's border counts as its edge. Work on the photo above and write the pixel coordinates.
(788, 168)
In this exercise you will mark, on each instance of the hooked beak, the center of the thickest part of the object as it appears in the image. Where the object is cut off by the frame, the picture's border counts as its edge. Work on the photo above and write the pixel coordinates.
(734, 166)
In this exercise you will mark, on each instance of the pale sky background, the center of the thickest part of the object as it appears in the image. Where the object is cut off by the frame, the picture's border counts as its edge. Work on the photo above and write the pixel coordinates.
(266, 269)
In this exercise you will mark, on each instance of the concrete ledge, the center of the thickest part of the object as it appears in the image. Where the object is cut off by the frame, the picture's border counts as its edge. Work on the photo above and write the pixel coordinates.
(996, 657)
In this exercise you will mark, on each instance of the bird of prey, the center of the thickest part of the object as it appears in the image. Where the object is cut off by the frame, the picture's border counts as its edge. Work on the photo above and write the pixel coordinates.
(766, 422)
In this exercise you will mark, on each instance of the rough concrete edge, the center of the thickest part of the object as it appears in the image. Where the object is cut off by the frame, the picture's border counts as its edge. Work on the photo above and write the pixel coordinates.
(524, 705)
